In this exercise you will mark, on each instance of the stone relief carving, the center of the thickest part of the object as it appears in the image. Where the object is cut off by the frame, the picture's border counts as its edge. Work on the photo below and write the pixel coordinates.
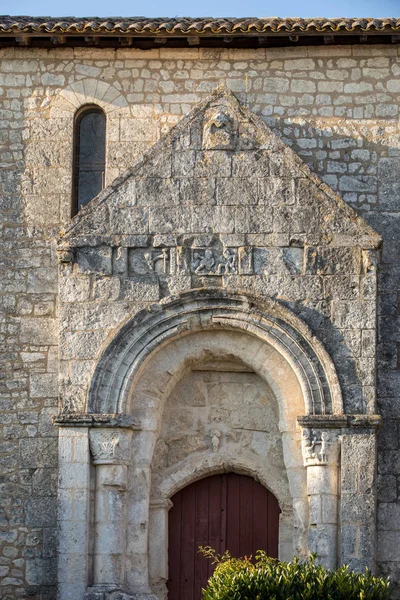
(227, 263)
(218, 130)
(108, 446)
(158, 261)
(103, 446)
(203, 261)
(182, 260)
(212, 262)
(319, 447)
(215, 440)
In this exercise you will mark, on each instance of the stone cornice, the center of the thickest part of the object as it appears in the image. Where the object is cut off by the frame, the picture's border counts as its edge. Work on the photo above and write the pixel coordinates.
(339, 421)
(94, 420)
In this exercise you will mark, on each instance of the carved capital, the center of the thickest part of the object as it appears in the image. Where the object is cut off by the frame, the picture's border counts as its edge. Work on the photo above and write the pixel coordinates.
(319, 447)
(110, 445)
(160, 503)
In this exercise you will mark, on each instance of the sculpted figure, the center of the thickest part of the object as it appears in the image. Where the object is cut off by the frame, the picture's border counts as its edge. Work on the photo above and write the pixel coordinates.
(228, 263)
(153, 260)
(324, 446)
(218, 131)
(215, 440)
(308, 445)
(203, 264)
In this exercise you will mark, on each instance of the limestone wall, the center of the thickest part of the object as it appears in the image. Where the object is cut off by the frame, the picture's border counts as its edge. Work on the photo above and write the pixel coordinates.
(337, 107)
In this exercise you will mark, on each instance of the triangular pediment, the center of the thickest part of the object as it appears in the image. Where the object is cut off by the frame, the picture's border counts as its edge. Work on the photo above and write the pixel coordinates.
(221, 170)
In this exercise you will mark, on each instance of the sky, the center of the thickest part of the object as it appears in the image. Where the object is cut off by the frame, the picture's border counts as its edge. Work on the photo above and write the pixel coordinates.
(205, 8)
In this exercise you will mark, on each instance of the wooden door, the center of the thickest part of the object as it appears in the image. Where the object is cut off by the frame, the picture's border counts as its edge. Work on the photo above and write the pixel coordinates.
(228, 512)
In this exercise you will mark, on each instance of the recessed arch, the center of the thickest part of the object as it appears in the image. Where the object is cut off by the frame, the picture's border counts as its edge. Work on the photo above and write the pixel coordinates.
(266, 320)
(198, 467)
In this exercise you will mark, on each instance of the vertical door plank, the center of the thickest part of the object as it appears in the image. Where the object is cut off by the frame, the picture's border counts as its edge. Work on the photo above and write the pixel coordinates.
(187, 542)
(174, 547)
(224, 512)
(273, 525)
(233, 514)
(214, 517)
(246, 493)
(261, 518)
(202, 536)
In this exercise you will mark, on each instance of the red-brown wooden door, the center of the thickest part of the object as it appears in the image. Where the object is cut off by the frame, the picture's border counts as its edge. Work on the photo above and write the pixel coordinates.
(228, 512)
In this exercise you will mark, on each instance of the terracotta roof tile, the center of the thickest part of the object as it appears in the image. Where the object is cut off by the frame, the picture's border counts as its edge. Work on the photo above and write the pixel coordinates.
(186, 26)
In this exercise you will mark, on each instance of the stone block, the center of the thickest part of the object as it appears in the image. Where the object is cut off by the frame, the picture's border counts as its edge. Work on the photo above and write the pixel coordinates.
(197, 190)
(74, 288)
(227, 188)
(94, 260)
(43, 385)
(36, 453)
(140, 289)
(107, 289)
(39, 331)
(81, 344)
(41, 571)
(286, 261)
(253, 219)
(74, 475)
(217, 163)
(329, 261)
(353, 314)
(41, 511)
(44, 482)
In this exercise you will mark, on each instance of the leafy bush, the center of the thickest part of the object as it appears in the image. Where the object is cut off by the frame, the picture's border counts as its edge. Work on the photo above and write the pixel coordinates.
(270, 579)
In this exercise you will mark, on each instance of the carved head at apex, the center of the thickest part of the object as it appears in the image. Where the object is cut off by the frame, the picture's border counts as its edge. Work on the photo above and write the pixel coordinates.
(218, 129)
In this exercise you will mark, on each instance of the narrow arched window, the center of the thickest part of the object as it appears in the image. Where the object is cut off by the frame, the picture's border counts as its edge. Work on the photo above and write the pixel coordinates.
(89, 155)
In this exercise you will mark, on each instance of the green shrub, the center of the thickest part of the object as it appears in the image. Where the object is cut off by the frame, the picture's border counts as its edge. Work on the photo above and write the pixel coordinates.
(270, 579)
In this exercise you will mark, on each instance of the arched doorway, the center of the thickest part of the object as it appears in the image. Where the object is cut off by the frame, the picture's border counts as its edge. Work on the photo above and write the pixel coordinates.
(227, 512)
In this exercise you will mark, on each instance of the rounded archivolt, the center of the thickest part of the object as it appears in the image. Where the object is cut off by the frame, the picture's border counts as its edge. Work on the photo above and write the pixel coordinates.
(90, 91)
(207, 310)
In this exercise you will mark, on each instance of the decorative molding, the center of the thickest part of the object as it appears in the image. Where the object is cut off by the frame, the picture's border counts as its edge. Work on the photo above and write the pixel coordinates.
(95, 420)
(267, 319)
(339, 421)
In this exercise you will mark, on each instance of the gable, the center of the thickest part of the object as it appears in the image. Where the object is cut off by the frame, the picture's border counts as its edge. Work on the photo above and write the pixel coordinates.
(221, 170)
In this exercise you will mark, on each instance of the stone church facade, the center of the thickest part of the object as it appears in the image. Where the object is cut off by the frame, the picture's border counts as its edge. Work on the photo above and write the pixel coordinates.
(228, 303)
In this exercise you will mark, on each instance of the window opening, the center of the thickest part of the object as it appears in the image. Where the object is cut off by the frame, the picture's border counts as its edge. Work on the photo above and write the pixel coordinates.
(89, 155)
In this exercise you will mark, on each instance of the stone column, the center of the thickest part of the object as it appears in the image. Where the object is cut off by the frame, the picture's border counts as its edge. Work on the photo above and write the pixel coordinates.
(158, 552)
(73, 513)
(110, 449)
(321, 458)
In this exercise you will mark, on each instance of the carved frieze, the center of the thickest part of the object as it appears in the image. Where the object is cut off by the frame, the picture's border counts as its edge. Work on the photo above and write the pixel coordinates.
(182, 260)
